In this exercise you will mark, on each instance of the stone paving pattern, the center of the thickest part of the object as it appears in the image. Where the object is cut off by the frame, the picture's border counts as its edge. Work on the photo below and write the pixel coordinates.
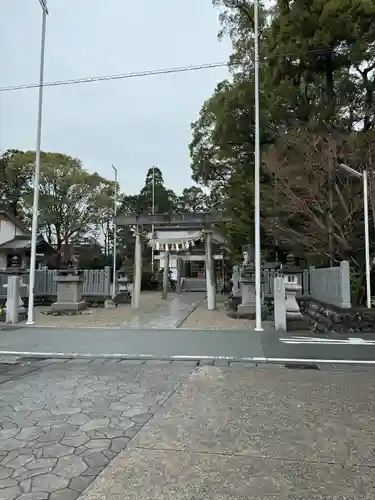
(99, 317)
(203, 319)
(188, 310)
(62, 422)
(250, 432)
(169, 313)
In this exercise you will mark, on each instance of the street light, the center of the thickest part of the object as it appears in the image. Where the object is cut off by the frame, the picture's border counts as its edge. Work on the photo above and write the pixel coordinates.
(114, 235)
(242, 5)
(364, 176)
(34, 227)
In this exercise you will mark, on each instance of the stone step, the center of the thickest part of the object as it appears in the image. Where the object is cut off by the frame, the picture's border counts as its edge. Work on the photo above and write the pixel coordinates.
(194, 284)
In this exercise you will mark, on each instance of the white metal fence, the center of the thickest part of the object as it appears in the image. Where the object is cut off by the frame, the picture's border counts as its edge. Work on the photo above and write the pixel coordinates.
(96, 282)
(303, 279)
(331, 285)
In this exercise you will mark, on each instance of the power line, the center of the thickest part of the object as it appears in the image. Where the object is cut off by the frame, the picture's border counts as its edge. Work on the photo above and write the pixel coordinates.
(139, 74)
(123, 76)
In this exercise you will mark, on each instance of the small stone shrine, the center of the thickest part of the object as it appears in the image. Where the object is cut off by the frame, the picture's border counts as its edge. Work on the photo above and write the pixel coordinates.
(69, 280)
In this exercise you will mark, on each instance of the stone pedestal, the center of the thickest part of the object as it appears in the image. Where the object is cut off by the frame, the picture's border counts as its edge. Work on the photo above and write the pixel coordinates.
(291, 305)
(248, 302)
(69, 293)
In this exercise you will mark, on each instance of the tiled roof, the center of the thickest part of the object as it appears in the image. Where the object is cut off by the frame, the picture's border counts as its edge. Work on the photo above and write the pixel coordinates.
(17, 244)
(20, 243)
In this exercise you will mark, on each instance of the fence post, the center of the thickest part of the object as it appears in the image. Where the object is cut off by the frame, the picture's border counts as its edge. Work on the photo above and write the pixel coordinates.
(306, 282)
(279, 304)
(266, 282)
(311, 271)
(107, 280)
(345, 284)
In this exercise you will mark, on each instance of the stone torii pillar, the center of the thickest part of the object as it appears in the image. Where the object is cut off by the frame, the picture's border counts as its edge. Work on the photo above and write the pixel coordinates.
(164, 294)
(179, 275)
(137, 279)
(210, 272)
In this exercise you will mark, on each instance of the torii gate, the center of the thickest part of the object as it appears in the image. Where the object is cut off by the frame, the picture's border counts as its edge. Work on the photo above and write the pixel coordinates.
(199, 221)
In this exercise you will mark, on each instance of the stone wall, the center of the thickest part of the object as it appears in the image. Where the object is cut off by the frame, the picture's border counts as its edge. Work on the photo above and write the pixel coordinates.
(321, 317)
(326, 318)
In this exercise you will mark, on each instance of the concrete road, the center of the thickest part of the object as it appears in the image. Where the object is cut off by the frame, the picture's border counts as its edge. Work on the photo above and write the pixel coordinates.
(189, 344)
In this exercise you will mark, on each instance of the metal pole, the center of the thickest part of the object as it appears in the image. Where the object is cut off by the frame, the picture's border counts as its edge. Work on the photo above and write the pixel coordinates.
(34, 227)
(153, 211)
(258, 299)
(367, 239)
(114, 236)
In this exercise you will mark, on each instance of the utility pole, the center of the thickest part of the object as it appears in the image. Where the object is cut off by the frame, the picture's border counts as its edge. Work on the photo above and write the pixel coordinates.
(243, 6)
(258, 303)
(153, 212)
(114, 279)
(34, 225)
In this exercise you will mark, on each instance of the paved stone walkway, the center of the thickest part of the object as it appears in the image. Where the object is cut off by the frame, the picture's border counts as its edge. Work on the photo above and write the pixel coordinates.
(153, 312)
(168, 314)
(99, 317)
(61, 423)
(265, 433)
(188, 310)
(203, 319)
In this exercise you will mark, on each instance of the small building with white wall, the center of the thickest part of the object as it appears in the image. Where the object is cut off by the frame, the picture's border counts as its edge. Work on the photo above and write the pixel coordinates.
(188, 246)
(15, 241)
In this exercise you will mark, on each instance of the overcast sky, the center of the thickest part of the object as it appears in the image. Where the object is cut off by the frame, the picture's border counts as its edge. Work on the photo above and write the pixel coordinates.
(132, 123)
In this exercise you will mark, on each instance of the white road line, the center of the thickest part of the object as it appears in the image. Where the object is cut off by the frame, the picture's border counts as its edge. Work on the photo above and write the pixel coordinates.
(181, 357)
(326, 341)
(316, 361)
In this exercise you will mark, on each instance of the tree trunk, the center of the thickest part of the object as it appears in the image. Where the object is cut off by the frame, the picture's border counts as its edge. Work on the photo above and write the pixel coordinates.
(330, 90)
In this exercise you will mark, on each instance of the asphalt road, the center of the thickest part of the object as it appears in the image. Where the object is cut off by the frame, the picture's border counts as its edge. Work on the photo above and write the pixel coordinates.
(187, 344)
